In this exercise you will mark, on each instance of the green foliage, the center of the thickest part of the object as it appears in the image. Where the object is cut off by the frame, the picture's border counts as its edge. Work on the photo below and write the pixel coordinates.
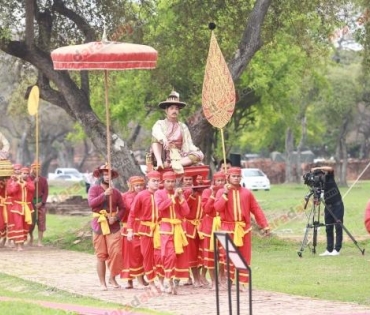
(77, 134)
(338, 104)
(282, 75)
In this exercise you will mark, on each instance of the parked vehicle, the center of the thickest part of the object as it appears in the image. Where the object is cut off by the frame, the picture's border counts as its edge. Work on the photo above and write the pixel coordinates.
(68, 177)
(66, 171)
(254, 179)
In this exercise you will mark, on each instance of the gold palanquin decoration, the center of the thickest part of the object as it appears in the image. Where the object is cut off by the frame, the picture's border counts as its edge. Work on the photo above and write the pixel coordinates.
(218, 94)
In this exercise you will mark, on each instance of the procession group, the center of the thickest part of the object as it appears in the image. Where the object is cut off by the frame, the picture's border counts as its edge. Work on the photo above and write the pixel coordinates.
(161, 230)
(23, 197)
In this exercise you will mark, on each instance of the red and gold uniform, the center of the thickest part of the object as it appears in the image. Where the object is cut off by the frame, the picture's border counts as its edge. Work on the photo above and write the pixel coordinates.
(9, 201)
(191, 225)
(172, 210)
(211, 222)
(236, 204)
(132, 257)
(4, 204)
(21, 190)
(145, 211)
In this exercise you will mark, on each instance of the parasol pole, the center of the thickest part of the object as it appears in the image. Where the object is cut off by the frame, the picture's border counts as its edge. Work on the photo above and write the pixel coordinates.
(33, 110)
(107, 118)
(37, 152)
(223, 149)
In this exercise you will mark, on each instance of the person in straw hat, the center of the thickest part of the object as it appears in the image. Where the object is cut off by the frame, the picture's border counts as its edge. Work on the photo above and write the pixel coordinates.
(173, 138)
(108, 210)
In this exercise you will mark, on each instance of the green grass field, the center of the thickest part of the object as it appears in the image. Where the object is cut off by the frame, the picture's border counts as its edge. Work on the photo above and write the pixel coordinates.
(284, 204)
(27, 293)
(276, 265)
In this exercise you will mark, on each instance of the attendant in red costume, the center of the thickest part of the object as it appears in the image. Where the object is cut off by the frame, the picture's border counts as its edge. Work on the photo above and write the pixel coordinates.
(191, 226)
(4, 204)
(39, 202)
(132, 257)
(235, 205)
(172, 209)
(145, 211)
(108, 210)
(20, 189)
(211, 223)
(367, 217)
(10, 224)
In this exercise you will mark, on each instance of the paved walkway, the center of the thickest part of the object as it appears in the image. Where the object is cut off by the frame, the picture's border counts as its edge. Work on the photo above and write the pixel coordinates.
(75, 272)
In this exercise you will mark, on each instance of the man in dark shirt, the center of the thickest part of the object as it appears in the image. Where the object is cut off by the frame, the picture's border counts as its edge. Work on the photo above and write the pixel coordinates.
(334, 210)
(108, 210)
(39, 201)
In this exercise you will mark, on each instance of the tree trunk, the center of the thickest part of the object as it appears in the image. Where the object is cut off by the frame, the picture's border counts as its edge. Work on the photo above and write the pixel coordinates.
(289, 145)
(343, 179)
(341, 153)
(302, 140)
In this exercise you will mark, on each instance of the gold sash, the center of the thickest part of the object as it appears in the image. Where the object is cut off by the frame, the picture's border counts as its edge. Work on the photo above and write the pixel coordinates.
(4, 203)
(26, 211)
(196, 223)
(216, 226)
(102, 219)
(179, 236)
(154, 228)
(239, 232)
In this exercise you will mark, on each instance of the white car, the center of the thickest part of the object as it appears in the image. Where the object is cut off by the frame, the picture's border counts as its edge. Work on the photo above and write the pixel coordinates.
(69, 177)
(254, 179)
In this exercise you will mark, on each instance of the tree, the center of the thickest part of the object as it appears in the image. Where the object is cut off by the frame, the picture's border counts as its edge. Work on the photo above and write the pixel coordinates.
(337, 108)
(50, 24)
(59, 88)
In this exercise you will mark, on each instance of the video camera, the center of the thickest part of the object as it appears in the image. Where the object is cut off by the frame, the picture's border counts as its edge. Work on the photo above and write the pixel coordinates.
(314, 179)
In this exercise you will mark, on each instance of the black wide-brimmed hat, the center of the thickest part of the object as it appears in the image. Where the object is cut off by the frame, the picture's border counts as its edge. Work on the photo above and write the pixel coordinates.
(172, 99)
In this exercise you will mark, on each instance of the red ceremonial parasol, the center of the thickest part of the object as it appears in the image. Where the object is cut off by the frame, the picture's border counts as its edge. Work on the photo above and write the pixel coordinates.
(105, 56)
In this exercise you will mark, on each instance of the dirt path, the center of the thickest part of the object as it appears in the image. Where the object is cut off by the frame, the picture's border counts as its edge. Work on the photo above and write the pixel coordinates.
(75, 272)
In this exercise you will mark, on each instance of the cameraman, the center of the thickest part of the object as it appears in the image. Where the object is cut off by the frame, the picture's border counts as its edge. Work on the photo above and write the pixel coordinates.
(334, 210)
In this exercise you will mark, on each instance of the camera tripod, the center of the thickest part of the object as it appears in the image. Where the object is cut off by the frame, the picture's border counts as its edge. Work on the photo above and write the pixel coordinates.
(313, 221)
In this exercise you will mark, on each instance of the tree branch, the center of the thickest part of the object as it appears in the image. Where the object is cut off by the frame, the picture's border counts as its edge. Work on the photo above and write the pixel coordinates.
(82, 25)
(251, 41)
(87, 31)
